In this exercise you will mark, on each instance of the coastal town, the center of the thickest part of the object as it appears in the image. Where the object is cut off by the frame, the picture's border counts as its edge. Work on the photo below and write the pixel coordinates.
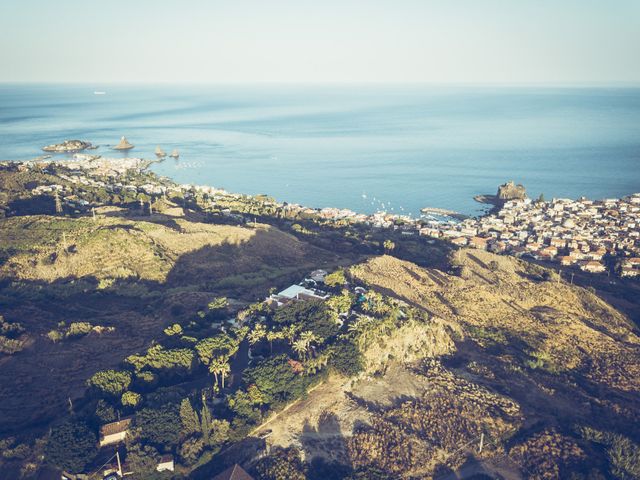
(596, 236)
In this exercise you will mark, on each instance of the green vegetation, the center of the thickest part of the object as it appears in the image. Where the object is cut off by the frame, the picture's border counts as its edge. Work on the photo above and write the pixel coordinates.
(110, 382)
(71, 446)
(623, 454)
(75, 330)
(12, 339)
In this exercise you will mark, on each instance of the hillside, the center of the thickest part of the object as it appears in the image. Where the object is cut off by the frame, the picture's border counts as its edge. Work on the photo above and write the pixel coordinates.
(125, 295)
(135, 274)
(537, 366)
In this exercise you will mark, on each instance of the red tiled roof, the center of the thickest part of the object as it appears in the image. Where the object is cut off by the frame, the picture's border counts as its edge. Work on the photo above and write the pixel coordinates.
(115, 427)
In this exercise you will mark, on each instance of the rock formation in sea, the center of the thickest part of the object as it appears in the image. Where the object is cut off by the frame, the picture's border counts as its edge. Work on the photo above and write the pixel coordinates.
(67, 146)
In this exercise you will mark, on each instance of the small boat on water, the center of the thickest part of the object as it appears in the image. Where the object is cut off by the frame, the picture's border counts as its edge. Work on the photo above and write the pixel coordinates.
(160, 153)
(99, 93)
(174, 154)
(123, 145)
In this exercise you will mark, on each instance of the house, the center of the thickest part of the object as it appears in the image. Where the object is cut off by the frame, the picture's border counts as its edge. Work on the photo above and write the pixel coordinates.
(165, 463)
(236, 472)
(566, 260)
(592, 266)
(295, 293)
(478, 242)
(114, 432)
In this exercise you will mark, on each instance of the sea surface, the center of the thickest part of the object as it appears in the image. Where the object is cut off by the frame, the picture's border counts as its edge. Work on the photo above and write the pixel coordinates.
(368, 148)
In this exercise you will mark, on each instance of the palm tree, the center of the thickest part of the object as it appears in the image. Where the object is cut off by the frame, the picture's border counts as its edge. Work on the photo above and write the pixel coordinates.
(300, 347)
(257, 334)
(274, 335)
(309, 338)
(225, 369)
(290, 333)
(213, 368)
(219, 366)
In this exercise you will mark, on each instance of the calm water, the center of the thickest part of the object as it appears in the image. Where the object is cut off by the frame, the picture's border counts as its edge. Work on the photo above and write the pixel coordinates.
(355, 147)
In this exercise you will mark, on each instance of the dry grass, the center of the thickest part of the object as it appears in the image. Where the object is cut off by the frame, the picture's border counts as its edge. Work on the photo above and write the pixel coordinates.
(569, 326)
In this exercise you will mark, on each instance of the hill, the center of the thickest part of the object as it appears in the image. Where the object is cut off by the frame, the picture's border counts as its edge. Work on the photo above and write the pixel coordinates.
(134, 274)
(540, 369)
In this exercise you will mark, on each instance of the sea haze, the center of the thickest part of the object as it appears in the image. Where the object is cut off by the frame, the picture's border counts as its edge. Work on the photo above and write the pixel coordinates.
(360, 147)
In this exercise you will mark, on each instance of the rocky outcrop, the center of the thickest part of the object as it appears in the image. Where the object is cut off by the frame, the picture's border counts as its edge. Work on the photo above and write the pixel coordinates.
(506, 191)
(68, 146)
(511, 191)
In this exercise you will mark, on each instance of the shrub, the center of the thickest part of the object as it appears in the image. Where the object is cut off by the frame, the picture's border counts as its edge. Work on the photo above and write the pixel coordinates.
(78, 329)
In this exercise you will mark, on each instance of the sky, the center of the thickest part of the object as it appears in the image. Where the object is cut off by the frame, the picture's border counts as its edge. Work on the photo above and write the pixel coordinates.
(321, 41)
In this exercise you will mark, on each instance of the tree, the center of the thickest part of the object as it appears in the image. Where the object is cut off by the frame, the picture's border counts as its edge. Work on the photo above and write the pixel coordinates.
(190, 450)
(340, 304)
(300, 347)
(388, 245)
(225, 369)
(277, 380)
(314, 315)
(105, 412)
(281, 464)
(219, 366)
(336, 279)
(142, 460)
(274, 335)
(131, 399)
(175, 329)
(257, 334)
(541, 198)
(188, 418)
(71, 446)
(211, 347)
(345, 358)
(160, 426)
(111, 382)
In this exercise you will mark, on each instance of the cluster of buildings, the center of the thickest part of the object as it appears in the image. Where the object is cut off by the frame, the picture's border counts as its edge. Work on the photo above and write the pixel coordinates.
(582, 233)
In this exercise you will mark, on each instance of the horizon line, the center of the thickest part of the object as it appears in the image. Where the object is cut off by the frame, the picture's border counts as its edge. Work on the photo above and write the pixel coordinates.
(548, 84)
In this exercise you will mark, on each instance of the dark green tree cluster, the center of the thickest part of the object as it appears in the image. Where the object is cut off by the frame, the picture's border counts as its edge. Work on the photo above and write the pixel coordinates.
(71, 446)
(276, 379)
(313, 316)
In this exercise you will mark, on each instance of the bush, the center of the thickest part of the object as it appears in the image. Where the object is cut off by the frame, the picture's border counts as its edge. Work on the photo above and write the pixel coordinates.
(78, 329)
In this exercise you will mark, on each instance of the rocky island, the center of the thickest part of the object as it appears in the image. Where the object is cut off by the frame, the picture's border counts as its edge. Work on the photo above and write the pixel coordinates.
(68, 146)
(506, 192)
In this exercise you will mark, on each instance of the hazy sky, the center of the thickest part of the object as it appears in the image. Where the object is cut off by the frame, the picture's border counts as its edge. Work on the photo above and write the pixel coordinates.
(248, 41)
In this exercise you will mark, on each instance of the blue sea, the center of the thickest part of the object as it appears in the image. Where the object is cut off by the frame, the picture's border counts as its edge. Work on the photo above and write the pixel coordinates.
(397, 148)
